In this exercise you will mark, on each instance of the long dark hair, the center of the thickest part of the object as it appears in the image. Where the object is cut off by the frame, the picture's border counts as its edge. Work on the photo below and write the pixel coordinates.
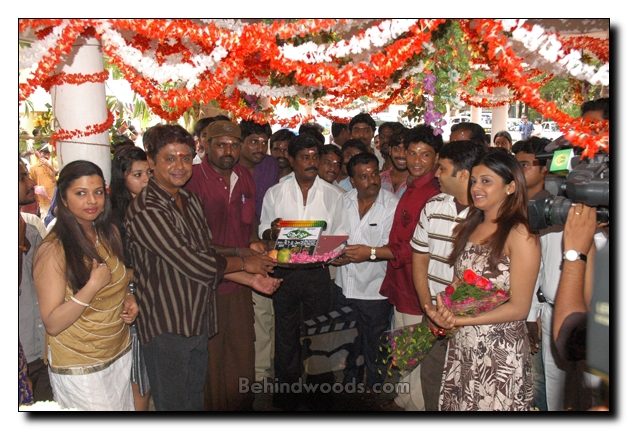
(513, 211)
(78, 250)
(120, 195)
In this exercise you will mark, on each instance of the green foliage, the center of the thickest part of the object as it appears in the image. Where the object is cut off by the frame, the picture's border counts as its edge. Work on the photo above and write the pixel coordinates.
(292, 102)
(115, 72)
(43, 121)
(467, 290)
(141, 110)
(28, 107)
(278, 79)
(450, 62)
(564, 91)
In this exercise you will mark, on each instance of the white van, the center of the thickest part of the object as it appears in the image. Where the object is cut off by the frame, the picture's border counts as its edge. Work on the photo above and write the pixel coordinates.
(550, 130)
(512, 126)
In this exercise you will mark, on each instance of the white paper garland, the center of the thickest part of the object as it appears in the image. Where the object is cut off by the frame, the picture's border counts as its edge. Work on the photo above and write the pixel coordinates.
(30, 56)
(375, 36)
(170, 71)
(550, 49)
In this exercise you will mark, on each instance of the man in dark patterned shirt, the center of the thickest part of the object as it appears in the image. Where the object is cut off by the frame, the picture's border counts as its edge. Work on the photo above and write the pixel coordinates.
(176, 272)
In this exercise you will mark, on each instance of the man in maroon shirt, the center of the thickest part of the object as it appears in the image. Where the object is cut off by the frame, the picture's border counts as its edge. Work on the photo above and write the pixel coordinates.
(422, 149)
(227, 191)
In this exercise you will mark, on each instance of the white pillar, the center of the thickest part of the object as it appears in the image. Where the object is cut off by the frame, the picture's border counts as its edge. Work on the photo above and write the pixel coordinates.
(78, 106)
(476, 112)
(500, 114)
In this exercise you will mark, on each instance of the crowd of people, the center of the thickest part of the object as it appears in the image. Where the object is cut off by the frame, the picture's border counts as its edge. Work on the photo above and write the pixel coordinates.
(160, 285)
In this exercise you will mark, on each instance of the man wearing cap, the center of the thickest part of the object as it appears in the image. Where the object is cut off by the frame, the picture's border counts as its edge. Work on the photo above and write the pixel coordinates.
(526, 128)
(44, 173)
(227, 191)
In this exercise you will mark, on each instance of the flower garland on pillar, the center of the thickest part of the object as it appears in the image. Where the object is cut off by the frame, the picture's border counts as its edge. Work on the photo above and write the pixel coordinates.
(74, 79)
(68, 135)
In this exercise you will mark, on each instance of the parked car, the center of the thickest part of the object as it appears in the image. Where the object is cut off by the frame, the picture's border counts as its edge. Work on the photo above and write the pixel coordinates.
(550, 130)
(512, 126)
(485, 122)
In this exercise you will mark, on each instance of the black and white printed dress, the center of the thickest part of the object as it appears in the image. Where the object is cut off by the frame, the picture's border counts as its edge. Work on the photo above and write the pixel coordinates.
(488, 367)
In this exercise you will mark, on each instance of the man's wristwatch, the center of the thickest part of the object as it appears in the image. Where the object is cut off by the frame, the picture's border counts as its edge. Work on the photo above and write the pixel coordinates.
(573, 255)
(373, 256)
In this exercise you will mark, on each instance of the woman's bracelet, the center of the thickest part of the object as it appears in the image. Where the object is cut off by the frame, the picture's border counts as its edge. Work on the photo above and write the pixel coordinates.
(235, 252)
(75, 300)
(243, 263)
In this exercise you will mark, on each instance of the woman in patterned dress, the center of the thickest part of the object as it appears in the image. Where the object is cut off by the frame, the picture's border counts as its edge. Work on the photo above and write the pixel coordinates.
(82, 288)
(488, 365)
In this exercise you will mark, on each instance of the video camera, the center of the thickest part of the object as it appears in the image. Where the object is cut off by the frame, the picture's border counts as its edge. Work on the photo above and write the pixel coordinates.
(570, 180)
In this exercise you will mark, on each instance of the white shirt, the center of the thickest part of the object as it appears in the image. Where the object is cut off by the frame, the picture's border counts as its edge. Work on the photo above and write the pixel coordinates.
(345, 184)
(332, 268)
(379, 156)
(198, 158)
(552, 258)
(364, 280)
(324, 202)
(434, 234)
(35, 221)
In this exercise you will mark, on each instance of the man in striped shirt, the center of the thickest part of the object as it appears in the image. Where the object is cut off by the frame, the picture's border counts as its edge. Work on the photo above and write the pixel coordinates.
(432, 243)
(176, 272)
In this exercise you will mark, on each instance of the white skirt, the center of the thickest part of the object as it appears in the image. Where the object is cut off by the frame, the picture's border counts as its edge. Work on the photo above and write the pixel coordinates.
(106, 390)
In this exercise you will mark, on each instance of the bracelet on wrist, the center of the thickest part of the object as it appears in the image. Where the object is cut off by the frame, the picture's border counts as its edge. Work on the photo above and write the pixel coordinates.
(235, 251)
(243, 263)
(75, 300)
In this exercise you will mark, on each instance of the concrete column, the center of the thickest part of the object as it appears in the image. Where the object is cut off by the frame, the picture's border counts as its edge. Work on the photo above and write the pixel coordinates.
(476, 112)
(500, 114)
(78, 106)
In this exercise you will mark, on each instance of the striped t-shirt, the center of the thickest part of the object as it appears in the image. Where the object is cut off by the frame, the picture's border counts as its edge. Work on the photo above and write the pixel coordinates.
(433, 234)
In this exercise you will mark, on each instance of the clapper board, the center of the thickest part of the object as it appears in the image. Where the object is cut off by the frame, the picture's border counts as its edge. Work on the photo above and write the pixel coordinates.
(326, 340)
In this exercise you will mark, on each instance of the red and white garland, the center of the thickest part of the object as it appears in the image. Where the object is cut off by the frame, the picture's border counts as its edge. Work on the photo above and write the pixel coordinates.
(223, 60)
(549, 47)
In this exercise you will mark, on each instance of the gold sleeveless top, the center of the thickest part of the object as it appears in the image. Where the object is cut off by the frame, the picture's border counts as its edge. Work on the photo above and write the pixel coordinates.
(99, 336)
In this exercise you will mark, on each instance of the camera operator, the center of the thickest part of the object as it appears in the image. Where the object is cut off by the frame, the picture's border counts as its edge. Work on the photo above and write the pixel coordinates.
(575, 286)
(566, 381)
(576, 281)
(572, 311)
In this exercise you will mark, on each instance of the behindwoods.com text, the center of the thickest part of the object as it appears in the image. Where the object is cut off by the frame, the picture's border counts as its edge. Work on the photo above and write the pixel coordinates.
(270, 387)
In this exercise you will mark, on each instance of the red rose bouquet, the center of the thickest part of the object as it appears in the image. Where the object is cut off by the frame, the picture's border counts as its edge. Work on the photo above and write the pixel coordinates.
(407, 346)
(473, 295)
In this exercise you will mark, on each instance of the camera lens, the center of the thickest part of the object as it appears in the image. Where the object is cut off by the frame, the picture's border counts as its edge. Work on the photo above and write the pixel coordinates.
(557, 210)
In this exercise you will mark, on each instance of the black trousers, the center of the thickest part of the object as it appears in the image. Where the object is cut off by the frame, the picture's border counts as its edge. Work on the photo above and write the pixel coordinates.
(303, 294)
(372, 320)
(176, 367)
